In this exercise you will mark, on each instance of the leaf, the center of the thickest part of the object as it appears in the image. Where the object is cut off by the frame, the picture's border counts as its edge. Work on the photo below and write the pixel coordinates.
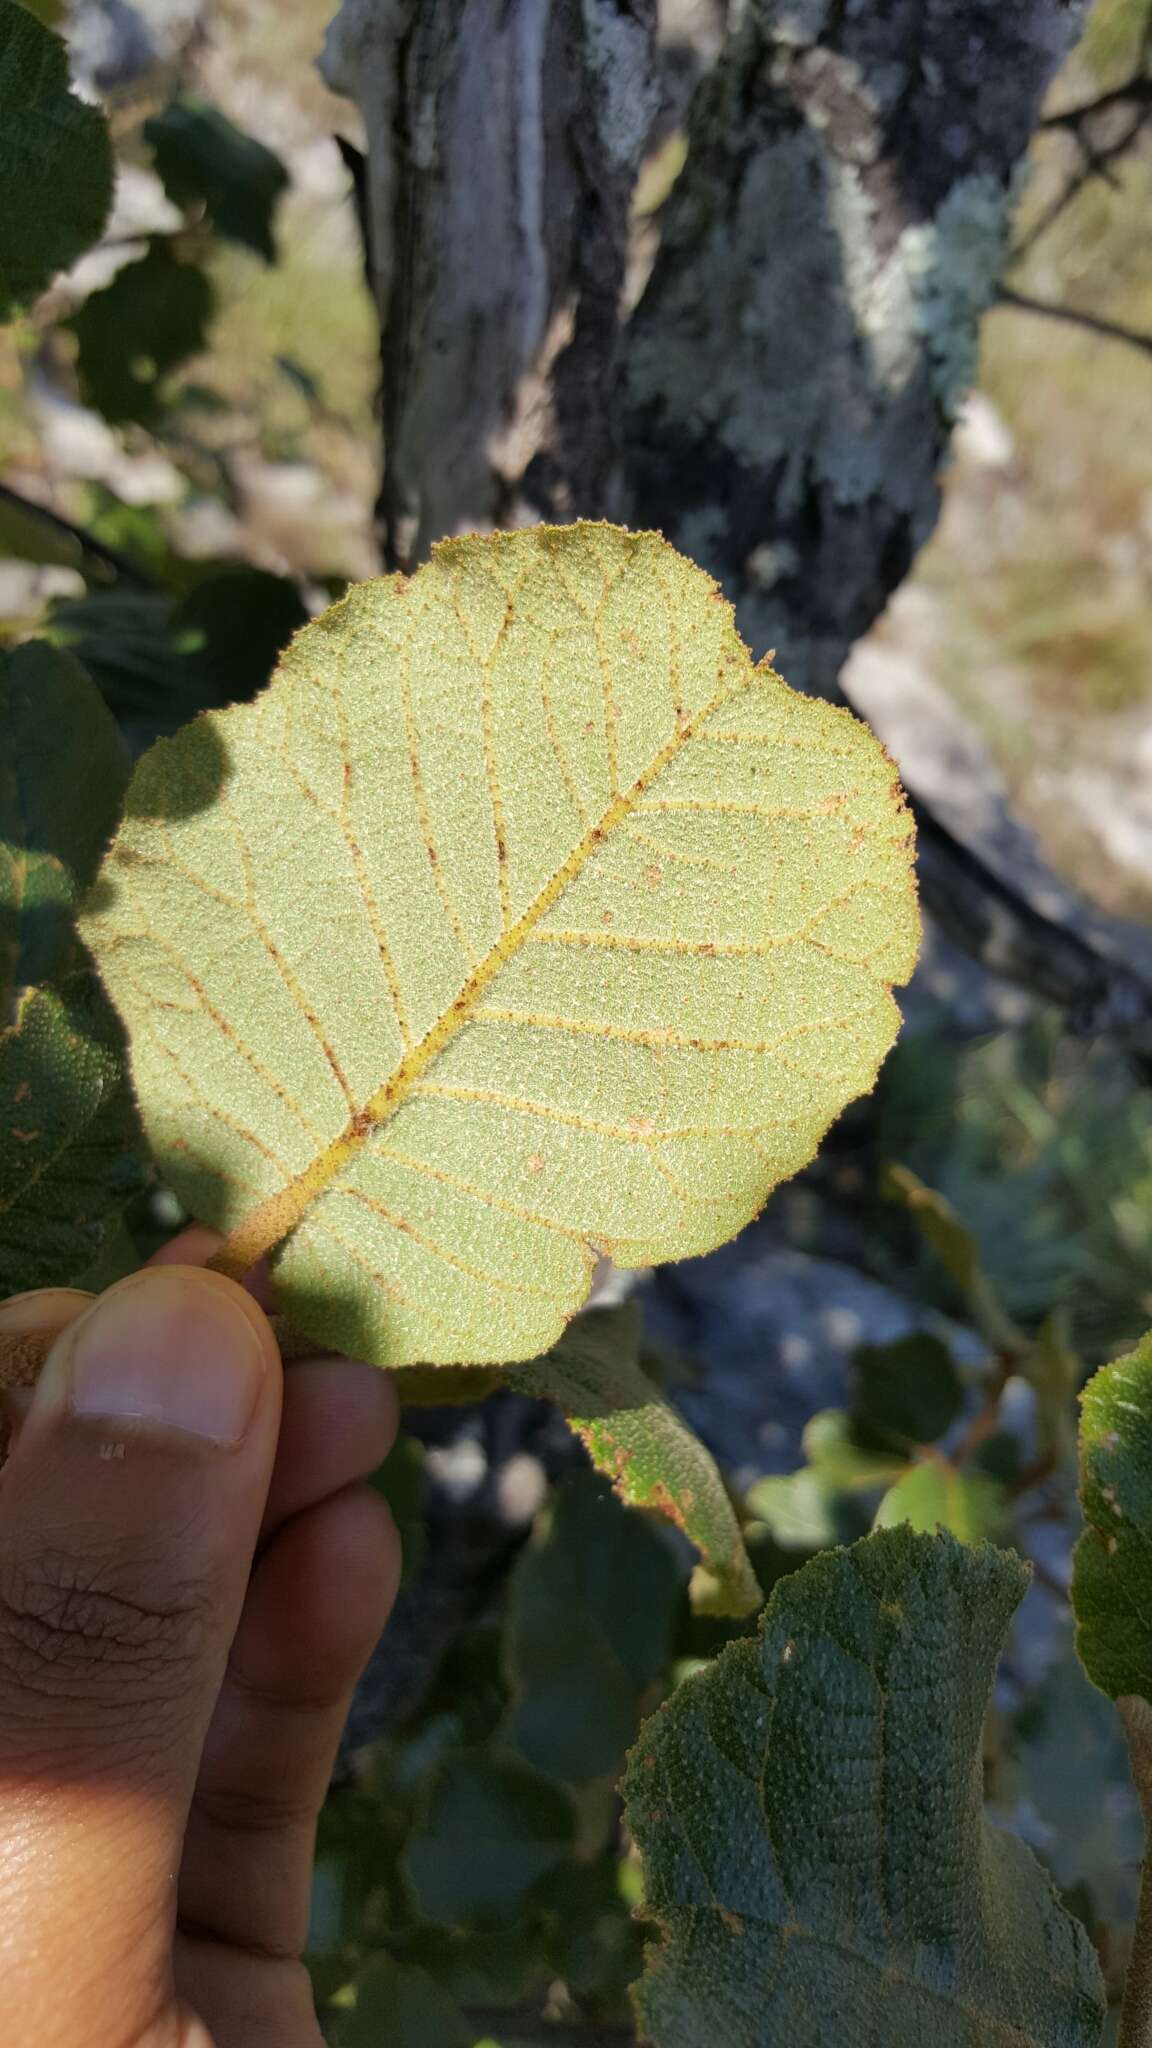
(201, 157)
(809, 1814)
(492, 1828)
(533, 920)
(134, 333)
(653, 1459)
(825, 1501)
(400, 2006)
(68, 1158)
(159, 661)
(933, 1494)
(68, 1138)
(959, 1253)
(55, 161)
(907, 1392)
(591, 1609)
(1075, 1776)
(1112, 1562)
(63, 771)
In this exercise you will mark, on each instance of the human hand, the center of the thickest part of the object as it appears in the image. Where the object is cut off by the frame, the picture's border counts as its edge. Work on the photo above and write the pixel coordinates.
(191, 1580)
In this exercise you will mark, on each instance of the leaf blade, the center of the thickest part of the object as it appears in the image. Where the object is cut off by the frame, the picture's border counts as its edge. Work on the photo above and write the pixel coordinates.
(55, 161)
(643, 1446)
(538, 1032)
(790, 1805)
(1112, 1561)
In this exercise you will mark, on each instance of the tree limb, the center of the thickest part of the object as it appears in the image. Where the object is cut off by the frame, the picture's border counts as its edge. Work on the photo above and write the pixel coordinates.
(97, 550)
(1110, 330)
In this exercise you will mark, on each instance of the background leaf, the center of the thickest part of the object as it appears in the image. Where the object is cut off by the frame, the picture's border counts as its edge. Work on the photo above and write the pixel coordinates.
(63, 772)
(491, 1829)
(631, 1433)
(201, 157)
(809, 1813)
(399, 2005)
(55, 161)
(534, 920)
(69, 1161)
(131, 335)
(908, 1392)
(592, 1606)
(933, 1494)
(1112, 1562)
(69, 1157)
(159, 661)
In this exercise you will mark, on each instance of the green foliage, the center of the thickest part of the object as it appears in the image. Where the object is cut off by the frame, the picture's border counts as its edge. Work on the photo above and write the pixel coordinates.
(141, 327)
(398, 2005)
(1112, 1578)
(490, 1830)
(159, 660)
(907, 1393)
(594, 1375)
(934, 1495)
(591, 1611)
(203, 160)
(552, 1031)
(63, 772)
(55, 161)
(812, 1832)
(67, 1132)
(67, 1161)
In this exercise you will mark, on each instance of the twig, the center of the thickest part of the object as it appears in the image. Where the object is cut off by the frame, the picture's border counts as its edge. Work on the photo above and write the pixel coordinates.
(99, 550)
(1097, 159)
(1136, 2011)
(1110, 330)
(1137, 91)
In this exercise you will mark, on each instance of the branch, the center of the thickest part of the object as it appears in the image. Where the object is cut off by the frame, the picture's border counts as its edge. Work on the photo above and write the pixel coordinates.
(1110, 330)
(1137, 91)
(1098, 158)
(98, 550)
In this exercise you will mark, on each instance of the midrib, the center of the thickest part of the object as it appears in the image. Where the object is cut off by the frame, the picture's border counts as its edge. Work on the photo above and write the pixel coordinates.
(273, 1219)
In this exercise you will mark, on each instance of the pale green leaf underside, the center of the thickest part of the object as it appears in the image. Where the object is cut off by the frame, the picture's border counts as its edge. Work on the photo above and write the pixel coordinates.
(521, 917)
(809, 1814)
(1112, 1562)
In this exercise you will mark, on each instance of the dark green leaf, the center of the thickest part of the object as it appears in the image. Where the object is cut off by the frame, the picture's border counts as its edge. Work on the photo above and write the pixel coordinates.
(63, 771)
(809, 1813)
(55, 161)
(491, 1829)
(908, 1392)
(589, 1631)
(159, 661)
(69, 1157)
(203, 160)
(647, 1450)
(401, 2006)
(68, 1140)
(1112, 1565)
(131, 335)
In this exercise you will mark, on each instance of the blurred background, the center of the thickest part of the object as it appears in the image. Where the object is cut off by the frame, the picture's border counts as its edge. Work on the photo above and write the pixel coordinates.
(202, 440)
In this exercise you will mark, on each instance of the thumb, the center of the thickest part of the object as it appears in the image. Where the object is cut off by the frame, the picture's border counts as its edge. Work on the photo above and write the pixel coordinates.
(129, 1513)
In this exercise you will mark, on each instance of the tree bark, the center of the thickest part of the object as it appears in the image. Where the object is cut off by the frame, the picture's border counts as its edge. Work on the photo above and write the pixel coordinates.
(812, 322)
(504, 141)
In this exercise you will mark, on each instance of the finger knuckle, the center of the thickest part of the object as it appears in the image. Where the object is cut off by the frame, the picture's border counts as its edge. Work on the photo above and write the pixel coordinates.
(92, 1629)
